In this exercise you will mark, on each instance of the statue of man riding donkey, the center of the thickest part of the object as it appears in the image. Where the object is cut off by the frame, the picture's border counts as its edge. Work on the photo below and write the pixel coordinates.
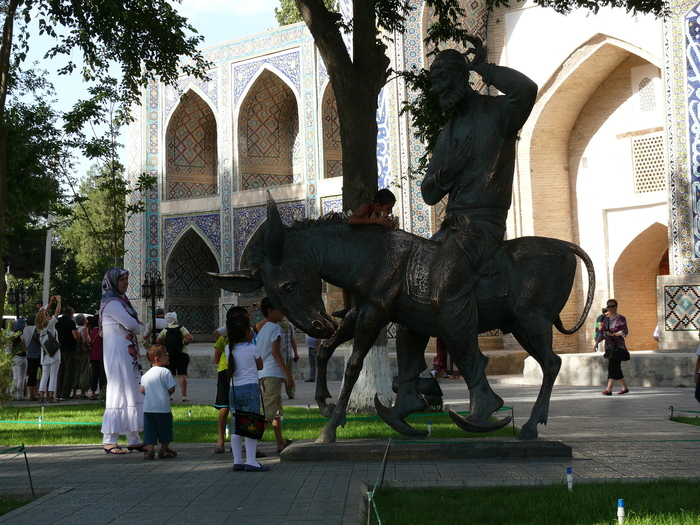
(464, 281)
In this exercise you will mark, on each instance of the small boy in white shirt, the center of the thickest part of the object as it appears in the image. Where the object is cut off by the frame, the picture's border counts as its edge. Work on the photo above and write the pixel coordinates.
(157, 385)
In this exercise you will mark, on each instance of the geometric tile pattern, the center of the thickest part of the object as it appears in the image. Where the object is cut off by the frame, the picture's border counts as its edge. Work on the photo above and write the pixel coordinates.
(209, 225)
(198, 319)
(286, 63)
(191, 150)
(383, 154)
(681, 66)
(682, 306)
(268, 133)
(332, 147)
(329, 204)
(247, 221)
(334, 168)
(187, 266)
(253, 181)
(186, 190)
(693, 102)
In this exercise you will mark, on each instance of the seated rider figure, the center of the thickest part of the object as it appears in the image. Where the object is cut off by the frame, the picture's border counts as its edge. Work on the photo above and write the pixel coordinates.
(473, 164)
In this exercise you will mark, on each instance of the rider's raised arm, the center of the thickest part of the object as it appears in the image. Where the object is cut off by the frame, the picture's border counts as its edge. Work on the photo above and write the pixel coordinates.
(520, 94)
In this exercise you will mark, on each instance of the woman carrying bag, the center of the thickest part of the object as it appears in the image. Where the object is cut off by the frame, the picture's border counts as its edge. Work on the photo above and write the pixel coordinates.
(244, 361)
(614, 332)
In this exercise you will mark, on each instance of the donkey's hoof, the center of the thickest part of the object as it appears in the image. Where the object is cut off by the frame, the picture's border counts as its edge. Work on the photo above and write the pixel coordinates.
(528, 432)
(326, 409)
(389, 416)
(472, 426)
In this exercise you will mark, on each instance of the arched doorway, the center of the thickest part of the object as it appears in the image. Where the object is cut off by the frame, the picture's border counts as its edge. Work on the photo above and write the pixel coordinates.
(188, 290)
(577, 160)
(634, 279)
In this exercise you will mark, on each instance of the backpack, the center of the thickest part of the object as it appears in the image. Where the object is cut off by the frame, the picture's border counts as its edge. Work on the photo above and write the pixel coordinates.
(174, 340)
(51, 345)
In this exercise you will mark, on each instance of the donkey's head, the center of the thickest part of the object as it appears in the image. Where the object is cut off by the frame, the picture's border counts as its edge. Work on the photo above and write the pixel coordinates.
(293, 286)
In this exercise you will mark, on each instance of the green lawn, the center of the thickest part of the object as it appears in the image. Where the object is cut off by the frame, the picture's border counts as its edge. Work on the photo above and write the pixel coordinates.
(687, 420)
(8, 504)
(299, 423)
(664, 502)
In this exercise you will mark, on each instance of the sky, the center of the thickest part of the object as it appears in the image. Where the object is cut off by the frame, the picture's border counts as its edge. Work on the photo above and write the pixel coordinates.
(218, 21)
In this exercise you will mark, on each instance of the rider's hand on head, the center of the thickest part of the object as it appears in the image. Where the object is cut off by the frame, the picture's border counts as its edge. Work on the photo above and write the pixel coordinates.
(480, 55)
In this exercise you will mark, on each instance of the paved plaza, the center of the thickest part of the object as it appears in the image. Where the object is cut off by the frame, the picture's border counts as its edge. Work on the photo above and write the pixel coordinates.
(618, 437)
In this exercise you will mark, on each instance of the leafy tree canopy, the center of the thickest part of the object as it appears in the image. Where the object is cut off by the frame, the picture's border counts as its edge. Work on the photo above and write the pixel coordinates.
(289, 14)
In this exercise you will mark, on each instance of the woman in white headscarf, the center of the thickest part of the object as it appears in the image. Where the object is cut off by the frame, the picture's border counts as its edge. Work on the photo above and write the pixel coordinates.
(122, 362)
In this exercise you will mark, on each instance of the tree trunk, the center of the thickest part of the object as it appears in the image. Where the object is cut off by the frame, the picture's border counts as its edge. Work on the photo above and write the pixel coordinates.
(374, 378)
(357, 82)
(5, 49)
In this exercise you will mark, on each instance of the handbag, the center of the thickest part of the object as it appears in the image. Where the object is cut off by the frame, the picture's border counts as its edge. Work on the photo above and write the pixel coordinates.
(51, 345)
(248, 424)
(621, 354)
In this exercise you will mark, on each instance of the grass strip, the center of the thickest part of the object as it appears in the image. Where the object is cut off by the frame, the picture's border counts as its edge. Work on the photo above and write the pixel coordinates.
(686, 420)
(80, 424)
(663, 502)
(8, 504)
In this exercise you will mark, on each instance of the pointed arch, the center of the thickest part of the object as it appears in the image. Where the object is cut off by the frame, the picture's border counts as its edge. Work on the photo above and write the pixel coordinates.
(269, 141)
(191, 150)
(543, 152)
(188, 290)
(332, 144)
(634, 281)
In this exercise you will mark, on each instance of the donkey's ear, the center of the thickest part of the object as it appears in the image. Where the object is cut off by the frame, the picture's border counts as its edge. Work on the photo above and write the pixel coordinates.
(240, 281)
(274, 233)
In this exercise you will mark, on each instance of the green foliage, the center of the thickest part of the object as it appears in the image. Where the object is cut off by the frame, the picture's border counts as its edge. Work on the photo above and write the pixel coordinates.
(289, 14)
(5, 367)
(36, 149)
(663, 502)
(8, 504)
(147, 40)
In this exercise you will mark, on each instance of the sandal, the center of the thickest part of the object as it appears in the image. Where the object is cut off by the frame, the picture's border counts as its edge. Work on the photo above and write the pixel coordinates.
(116, 449)
(286, 444)
(137, 448)
(149, 455)
(167, 453)
(219, 449)
(93, 398)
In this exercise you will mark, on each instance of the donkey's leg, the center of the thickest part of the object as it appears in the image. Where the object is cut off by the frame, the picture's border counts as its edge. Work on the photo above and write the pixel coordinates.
(535, 336)
(344, 333)
(369, 325)
(410, 358)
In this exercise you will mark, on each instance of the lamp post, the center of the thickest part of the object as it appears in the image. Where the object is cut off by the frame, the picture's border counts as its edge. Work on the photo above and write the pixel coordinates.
(152, 289)
(16, 297)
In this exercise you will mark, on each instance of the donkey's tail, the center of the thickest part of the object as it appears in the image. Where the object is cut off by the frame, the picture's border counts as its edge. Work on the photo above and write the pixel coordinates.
(591, 289)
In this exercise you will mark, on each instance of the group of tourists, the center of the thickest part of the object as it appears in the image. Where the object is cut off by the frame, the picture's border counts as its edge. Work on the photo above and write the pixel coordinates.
(56, 357)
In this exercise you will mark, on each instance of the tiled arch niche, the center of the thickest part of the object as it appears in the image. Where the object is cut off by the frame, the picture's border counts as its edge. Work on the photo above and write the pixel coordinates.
(332, 146)
(269, 141)
(191, 150)
(189, 291)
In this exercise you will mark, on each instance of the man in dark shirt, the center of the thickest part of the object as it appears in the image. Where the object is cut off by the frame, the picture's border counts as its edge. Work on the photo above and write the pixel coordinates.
(68, 338)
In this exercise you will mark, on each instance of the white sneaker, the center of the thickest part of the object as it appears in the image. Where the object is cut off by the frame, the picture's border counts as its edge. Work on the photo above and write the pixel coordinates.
(185, 399)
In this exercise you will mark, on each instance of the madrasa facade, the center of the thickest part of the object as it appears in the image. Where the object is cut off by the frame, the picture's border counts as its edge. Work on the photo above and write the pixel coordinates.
(609, 159)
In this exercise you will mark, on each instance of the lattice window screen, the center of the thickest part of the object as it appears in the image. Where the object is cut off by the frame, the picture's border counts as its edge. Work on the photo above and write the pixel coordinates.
(647, 95)
(648, 162)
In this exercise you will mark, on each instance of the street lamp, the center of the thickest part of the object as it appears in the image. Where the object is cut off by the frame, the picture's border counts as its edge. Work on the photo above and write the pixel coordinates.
(152, 289)
(16, 297)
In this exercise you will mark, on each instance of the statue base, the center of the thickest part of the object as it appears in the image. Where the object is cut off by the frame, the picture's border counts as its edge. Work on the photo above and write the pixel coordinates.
(407, 450)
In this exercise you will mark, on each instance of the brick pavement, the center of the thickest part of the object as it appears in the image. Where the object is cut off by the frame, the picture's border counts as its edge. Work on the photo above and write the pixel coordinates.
(618, 437)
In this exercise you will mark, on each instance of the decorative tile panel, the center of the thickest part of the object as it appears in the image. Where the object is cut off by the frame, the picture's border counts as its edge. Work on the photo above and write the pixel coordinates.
(173, 228)
(682, 306)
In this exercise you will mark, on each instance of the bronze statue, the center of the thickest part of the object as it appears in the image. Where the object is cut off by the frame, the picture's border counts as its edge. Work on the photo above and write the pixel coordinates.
(388, 276)
(464, 281)
(473, 165)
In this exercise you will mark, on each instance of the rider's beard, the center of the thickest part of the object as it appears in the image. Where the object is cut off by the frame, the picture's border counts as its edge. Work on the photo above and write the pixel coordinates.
(456, 96)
